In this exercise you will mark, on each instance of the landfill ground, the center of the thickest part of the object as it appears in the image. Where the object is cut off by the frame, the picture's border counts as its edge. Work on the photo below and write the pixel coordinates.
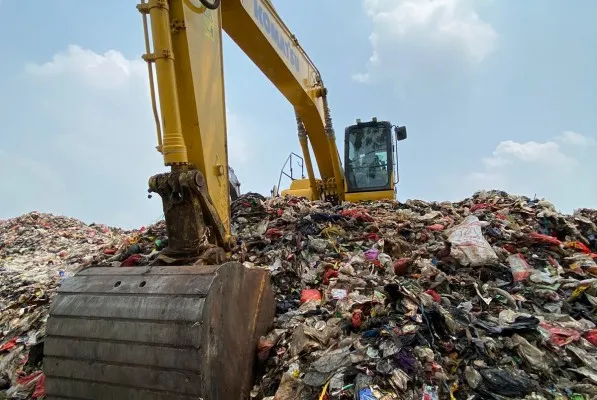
(492, 297)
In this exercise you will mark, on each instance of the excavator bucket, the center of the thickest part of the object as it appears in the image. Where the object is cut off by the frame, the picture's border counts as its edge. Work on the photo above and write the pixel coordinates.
(168, 332)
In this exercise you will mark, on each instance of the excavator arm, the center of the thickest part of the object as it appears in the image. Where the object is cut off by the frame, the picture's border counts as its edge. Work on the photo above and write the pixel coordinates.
(186, 326)
(256, 27)
(187, 53)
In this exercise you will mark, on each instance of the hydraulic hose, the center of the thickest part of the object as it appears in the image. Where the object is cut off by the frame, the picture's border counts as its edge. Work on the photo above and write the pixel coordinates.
(211, 6)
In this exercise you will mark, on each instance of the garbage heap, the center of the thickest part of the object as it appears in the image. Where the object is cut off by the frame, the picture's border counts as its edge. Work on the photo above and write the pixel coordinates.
(492, 297)
(37, 251)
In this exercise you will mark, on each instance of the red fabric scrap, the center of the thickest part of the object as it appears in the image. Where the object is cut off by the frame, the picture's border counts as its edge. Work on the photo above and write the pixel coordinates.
(328, 274)
(578, 246)
(509, 248)
(356, 214)
(479, 206)
(401, 265)
(274, 233)
(110, 252)
(539, 237)
(436, 297)
(132, 260)
(357, 318)
(372, 236)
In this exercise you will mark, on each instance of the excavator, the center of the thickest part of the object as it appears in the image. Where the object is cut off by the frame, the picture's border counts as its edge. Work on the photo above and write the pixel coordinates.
(187, 325)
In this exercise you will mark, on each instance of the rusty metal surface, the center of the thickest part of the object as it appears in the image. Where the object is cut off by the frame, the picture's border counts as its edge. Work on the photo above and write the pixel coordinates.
(192, 221)
(177, 332)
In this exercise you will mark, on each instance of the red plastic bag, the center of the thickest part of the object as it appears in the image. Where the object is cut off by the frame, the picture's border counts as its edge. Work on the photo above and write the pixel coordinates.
(38, 379)
(40, 387)
(309, 295)
(591, 336)
(436, 227)
(561, 336)
(9, 345)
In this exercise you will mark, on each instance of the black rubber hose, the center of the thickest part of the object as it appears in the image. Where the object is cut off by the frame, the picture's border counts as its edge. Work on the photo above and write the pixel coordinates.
(212, 6)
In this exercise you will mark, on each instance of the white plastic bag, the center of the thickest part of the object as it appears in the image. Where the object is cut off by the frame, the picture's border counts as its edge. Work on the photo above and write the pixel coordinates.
(469, 246)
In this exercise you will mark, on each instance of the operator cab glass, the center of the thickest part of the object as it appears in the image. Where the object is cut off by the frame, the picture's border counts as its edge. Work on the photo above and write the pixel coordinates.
(368, 155)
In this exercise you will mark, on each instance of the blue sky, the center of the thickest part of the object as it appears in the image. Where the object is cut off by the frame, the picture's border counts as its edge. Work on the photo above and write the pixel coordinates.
(495, 94)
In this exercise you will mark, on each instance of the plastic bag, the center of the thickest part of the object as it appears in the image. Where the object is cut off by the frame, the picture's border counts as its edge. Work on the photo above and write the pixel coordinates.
(469, 246)
(519, 267)
(430, 393)
(310, 295)
(582, 263)
(506, 383)
(561, 336)
(367, 394)
(591, 336)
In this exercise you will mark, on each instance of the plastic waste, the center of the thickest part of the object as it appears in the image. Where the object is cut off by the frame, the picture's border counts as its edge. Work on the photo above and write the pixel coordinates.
(519, 267)
(507, 383)
(469, 246)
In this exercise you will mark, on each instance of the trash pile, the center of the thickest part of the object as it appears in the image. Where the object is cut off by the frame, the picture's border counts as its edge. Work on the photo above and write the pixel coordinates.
(37, 250)
(492, 297)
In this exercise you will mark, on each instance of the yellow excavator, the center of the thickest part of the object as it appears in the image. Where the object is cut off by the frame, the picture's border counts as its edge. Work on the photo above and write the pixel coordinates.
(186, 326)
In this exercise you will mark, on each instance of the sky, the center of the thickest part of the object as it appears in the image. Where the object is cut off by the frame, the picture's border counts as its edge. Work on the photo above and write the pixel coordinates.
(494, 94)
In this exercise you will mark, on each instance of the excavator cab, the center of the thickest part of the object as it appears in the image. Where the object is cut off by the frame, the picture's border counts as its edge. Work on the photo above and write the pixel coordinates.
(370, 163)
(370, 160)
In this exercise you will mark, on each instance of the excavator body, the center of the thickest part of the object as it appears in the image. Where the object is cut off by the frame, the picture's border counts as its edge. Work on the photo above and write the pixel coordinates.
(187, 325)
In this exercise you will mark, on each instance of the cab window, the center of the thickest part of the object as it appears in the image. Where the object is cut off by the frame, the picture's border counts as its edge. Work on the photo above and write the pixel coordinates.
(367, 163)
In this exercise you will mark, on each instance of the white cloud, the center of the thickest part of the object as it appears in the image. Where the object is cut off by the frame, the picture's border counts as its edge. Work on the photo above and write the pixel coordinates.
(561, 170)
(415, 37)
(574, 138)
(84, 143)
(510, 151)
